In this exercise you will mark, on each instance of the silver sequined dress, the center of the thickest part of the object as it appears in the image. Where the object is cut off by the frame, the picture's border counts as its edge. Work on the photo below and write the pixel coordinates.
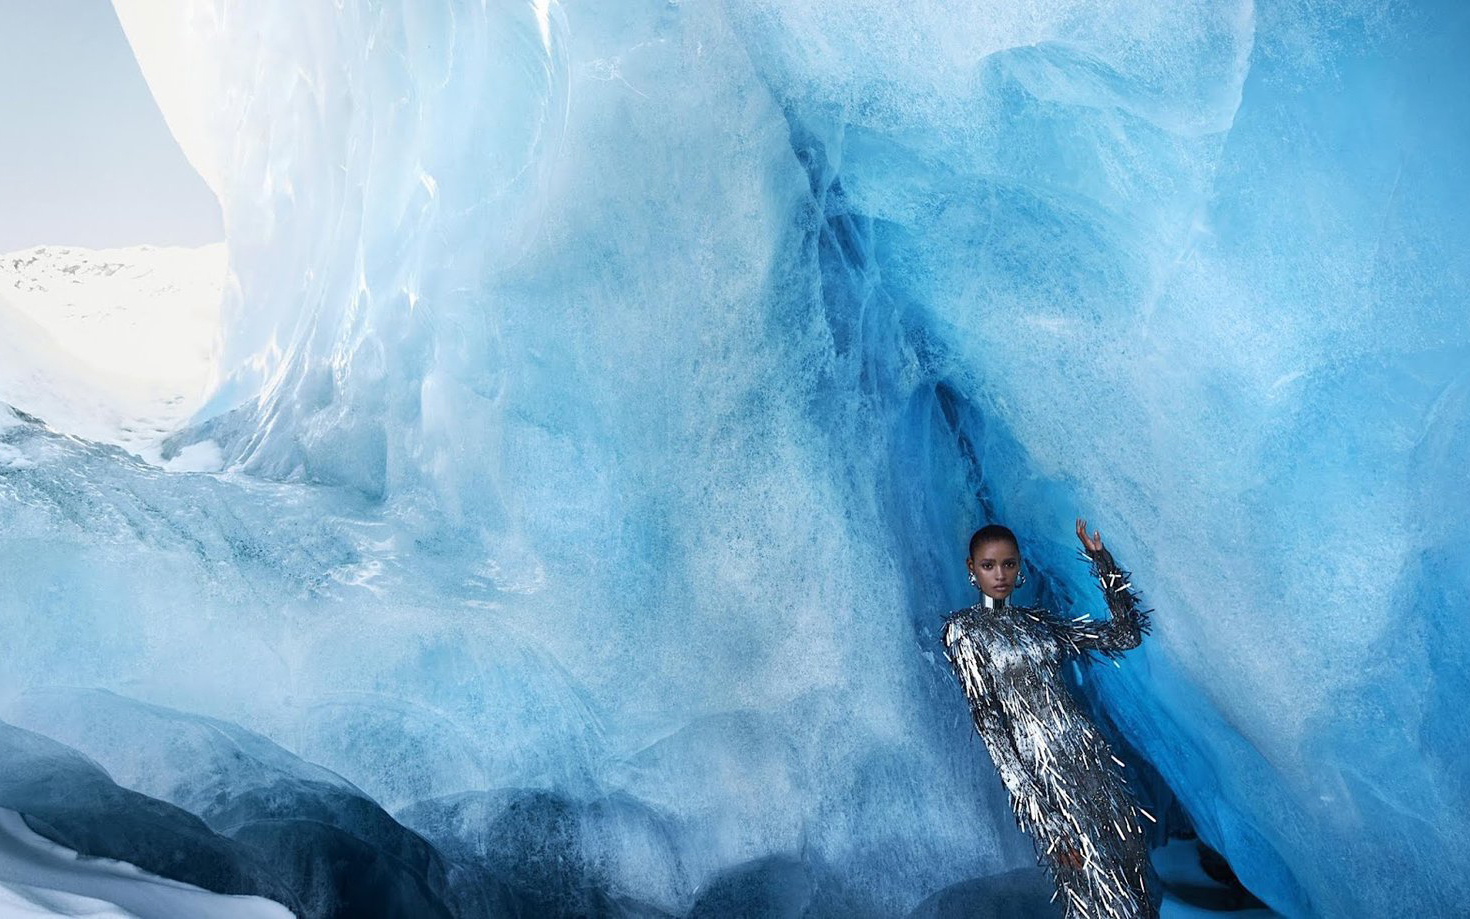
(1066, 786)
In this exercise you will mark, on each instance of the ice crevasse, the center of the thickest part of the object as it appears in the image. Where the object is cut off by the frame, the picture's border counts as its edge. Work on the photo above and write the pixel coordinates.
(606, 391)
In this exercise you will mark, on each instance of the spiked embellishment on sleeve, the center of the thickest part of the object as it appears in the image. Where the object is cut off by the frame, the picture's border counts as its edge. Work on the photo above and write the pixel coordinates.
(1128, 621)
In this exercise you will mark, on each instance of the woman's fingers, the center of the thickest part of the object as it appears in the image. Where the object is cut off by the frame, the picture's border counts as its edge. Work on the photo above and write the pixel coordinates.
(1093, 542)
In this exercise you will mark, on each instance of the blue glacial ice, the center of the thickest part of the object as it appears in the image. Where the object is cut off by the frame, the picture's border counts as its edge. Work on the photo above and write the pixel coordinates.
(606, 391)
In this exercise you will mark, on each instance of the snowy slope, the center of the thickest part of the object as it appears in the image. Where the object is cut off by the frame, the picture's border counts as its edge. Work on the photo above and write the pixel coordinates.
(111, 345)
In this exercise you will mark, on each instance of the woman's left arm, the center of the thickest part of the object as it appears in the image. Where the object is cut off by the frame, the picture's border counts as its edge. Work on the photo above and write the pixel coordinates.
(1128, 621)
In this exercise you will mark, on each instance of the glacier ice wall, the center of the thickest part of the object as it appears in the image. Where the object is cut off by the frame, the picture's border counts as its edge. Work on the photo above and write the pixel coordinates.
(609, 388)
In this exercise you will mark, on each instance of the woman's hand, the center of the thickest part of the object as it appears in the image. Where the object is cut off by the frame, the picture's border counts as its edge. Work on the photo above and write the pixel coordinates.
(1070, 857)
(1092, 545)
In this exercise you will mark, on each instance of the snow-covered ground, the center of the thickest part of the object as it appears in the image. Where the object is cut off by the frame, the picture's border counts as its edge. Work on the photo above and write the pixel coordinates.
(40, 878)
(113, 345)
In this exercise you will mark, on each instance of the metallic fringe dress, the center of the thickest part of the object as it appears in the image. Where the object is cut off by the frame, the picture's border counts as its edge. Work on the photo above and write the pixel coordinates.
(1066, 787)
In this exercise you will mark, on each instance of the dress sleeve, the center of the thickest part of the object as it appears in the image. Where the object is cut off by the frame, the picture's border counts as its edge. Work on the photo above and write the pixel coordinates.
(1128, 621)
(985, 707)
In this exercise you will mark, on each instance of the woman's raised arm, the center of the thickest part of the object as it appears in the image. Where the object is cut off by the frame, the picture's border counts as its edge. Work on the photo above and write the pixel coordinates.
(1128, 621)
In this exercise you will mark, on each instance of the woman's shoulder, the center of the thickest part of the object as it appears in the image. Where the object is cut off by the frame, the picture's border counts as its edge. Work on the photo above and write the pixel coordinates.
(1033, 612)
(1039, 615)
(973, 617)
(976, 612)
(957, 623)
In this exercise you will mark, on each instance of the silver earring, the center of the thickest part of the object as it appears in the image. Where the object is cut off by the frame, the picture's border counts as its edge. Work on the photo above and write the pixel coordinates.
(1020, 579)
(974, 583)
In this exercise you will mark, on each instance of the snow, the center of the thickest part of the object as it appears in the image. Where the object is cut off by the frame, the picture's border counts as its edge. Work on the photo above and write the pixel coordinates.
(114, 345)
(40, 878)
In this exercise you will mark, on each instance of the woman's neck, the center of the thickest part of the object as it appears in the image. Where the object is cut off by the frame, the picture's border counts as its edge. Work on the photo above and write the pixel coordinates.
(989, 602)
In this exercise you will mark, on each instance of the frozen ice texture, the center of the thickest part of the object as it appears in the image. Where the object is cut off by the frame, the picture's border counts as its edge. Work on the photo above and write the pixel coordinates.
(203, 802)
(69, 799)
(39, 878)
(608, 389)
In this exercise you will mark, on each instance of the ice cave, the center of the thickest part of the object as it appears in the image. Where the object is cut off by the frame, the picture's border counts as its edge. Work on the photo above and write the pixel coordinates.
(595, 403)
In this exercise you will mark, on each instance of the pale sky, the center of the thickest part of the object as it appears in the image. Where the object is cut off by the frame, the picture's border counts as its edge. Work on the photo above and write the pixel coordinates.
(85, 156)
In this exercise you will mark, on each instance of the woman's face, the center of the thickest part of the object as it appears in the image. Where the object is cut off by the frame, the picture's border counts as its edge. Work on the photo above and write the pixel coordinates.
(995, 565)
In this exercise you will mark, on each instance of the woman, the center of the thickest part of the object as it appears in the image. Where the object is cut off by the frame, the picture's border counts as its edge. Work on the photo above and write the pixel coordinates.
(1064, 782)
